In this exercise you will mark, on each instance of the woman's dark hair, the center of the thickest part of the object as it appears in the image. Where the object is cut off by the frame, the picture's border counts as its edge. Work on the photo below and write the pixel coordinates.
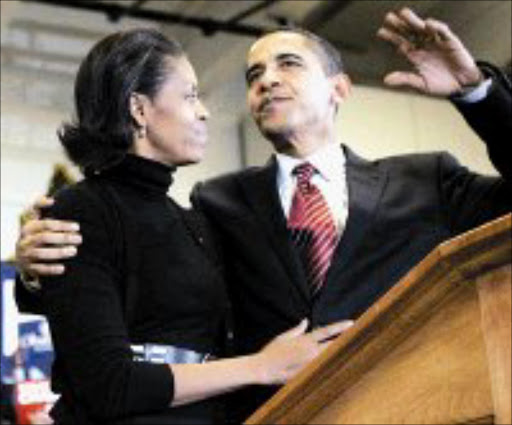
(117, 66)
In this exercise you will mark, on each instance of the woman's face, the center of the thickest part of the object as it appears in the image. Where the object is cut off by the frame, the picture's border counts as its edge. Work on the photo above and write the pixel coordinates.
(175, 120)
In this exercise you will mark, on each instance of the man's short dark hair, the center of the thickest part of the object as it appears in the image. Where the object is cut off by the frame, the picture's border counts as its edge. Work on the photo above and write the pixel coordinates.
(328, 54)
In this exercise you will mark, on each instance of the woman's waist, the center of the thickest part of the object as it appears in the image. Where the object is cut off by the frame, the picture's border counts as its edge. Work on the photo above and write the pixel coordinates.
(199, 340)
(165, 353)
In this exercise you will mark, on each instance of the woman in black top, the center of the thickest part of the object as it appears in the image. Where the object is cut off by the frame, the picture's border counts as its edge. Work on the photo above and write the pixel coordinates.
(142, 305)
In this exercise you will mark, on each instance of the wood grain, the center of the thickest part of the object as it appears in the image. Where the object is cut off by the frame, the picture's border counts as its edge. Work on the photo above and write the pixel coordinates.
(419, 350)
(495, 294)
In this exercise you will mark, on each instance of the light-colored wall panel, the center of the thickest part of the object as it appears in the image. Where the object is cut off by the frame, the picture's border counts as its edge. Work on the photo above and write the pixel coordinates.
(440, 127)
(377, 123)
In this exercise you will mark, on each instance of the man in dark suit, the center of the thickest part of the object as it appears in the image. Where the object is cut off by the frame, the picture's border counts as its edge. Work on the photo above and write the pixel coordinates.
(384, 216)
(388, 213)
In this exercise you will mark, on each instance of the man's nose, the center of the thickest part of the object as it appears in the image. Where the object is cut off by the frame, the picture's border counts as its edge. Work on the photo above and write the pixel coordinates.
(269, 79)
(203, 112)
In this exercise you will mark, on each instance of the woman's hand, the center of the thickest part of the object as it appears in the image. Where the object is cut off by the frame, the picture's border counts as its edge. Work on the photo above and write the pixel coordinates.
(288, 353)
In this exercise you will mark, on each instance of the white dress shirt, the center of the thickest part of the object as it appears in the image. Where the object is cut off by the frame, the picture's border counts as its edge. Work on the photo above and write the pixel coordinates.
(330, 179)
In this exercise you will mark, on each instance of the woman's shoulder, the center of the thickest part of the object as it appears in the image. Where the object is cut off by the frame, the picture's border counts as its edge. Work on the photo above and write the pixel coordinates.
(85, 198)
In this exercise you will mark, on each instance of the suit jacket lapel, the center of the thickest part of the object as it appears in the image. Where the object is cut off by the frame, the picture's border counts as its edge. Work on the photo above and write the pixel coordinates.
(261, 193)
(365, 184)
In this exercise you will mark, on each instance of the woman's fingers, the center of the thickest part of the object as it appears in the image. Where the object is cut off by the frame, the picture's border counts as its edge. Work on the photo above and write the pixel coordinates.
(330, 331)
(295, 331)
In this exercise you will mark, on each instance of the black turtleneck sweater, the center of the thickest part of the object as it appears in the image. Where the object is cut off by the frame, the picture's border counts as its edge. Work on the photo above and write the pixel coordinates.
(178, 298)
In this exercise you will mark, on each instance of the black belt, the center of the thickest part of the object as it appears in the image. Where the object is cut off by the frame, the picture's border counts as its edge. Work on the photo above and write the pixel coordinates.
(160, 353)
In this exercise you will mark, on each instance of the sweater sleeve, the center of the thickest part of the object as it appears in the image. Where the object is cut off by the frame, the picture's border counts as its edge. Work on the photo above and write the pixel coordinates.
(84, 310)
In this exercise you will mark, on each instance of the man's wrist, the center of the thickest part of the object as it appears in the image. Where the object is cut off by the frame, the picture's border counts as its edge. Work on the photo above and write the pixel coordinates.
(472, 93)
(30, 282)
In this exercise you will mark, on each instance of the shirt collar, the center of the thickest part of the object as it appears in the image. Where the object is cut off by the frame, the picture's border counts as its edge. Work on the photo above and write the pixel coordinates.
(329, 161)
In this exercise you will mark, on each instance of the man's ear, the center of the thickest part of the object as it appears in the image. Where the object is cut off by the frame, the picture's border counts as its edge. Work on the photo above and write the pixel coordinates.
(137, 108)
(342, 87)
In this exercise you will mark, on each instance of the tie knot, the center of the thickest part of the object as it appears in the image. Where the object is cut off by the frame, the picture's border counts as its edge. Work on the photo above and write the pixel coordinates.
(304, 172)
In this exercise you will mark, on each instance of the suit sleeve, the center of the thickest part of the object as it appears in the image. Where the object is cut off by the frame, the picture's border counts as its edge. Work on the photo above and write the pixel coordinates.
(215, 244)
(469, 199)
(27, 301)
(84, 310)
(491, 119)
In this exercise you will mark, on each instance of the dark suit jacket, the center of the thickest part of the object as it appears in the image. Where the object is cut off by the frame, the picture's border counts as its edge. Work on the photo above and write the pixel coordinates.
(400, 208)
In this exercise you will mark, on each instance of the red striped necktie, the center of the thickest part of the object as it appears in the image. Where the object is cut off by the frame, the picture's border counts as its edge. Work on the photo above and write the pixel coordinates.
(312, 227)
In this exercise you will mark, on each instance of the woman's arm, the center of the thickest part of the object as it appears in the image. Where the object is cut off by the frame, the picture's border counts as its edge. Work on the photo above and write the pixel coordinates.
(276, 363)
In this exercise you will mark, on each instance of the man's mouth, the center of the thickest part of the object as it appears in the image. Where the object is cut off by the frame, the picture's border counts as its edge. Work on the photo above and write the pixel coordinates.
(270, 102)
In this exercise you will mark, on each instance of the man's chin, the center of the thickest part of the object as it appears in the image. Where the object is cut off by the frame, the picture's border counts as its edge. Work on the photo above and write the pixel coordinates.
(279, 136)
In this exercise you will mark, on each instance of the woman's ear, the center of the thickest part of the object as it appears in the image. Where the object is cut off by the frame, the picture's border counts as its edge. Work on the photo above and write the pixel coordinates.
(137, 108)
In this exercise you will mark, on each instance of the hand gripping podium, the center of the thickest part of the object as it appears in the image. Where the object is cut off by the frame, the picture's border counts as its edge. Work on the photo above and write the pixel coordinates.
(435, 349)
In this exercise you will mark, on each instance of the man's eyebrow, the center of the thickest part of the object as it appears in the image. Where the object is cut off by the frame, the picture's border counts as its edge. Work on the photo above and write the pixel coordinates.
(251, 69)
(284, 56)
(279, 57)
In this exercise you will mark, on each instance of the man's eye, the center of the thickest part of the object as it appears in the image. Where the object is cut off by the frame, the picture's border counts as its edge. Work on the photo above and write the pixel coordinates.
(251, 77)
(290, 63)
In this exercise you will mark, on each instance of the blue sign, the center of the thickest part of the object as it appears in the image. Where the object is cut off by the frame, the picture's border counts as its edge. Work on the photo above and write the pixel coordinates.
(26, 347)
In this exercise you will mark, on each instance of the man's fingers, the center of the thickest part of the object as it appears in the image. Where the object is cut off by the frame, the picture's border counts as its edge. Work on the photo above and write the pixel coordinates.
(37, 269)
(394, 22)
(441, 31)
(330, 331)
(38, 254)
(36, 226)
(51, 238)
(44, 201)
(34, 212)
(396, 39)
(412, 20)
(409, 79)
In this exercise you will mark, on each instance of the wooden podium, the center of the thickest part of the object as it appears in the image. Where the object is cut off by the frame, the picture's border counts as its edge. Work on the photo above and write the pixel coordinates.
(436, 348)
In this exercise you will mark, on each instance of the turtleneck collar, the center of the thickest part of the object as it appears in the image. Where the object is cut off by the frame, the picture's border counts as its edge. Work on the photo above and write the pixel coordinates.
(142, 173)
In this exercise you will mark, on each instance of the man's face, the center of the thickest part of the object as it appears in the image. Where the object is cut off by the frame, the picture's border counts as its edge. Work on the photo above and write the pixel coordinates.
(288, 89)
